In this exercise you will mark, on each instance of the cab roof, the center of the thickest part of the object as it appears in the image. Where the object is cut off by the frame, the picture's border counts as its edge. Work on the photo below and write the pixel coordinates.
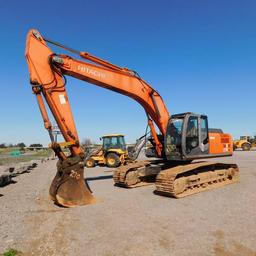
(113, 135)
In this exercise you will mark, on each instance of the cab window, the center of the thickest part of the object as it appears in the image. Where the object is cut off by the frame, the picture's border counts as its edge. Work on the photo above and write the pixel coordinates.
(173, 137)
(192, 137)
(204, 130)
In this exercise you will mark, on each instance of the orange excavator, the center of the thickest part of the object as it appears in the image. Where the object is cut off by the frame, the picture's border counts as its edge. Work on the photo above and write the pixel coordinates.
(181, 138)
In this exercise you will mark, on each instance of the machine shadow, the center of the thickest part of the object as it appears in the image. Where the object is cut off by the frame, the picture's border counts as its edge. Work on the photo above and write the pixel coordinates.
(105, 177)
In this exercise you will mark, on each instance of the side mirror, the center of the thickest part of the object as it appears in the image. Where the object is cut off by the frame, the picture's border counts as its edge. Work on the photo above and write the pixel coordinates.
(100, 138)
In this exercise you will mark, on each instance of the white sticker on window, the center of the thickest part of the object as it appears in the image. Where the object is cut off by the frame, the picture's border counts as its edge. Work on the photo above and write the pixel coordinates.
(62, 99)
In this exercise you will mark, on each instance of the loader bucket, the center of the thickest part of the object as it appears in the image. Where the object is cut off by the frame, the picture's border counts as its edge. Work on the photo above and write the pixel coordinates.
(68, 187)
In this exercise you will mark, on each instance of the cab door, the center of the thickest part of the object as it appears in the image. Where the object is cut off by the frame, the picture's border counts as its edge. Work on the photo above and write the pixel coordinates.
(195, 136)
(173, 138)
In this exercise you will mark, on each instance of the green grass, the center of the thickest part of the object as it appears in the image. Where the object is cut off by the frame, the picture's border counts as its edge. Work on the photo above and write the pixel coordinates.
(24, 158)
(11, 252)
(8, 150)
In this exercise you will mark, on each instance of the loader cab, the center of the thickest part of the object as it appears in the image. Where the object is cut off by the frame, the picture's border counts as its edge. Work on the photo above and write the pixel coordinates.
(245, 138)
(113, 141)
(187, 137)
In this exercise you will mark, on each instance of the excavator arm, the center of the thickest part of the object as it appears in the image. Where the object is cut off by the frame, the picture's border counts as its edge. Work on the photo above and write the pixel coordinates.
(47, 71)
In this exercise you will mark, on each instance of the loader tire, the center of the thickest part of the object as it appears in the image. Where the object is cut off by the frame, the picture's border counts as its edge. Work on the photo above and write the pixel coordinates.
(246, 147)
(90, 163)
(112, 160)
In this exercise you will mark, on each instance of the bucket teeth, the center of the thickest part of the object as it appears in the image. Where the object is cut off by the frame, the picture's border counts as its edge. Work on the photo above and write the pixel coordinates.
(68, 187)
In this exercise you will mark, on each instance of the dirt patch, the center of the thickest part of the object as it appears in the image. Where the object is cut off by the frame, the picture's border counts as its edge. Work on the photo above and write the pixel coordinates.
(53, 241)
(49, 244)
(225, 247)
(221, 222)
(165, 243)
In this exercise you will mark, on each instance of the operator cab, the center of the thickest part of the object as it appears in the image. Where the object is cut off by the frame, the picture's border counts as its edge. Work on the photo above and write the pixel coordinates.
(245, 138)
(113, 141)
(187, 137)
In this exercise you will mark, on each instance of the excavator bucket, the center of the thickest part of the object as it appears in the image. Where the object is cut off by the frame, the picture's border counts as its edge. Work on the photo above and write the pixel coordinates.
(68, 188)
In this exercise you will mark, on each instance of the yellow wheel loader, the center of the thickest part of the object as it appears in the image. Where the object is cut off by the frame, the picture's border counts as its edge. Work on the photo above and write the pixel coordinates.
(112, 153)
(245, 143)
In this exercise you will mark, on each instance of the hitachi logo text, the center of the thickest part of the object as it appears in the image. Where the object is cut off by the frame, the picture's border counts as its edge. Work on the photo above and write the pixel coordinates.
(91, 71)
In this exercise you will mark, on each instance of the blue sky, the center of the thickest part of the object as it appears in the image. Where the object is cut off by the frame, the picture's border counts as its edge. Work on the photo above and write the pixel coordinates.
(200, 55)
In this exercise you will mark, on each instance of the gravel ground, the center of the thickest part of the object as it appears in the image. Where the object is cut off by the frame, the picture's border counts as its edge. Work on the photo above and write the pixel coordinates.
(130, 222)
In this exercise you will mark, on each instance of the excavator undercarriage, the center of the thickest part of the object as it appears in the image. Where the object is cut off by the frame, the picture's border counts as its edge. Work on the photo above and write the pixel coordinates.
(182, 181)
(177, 180)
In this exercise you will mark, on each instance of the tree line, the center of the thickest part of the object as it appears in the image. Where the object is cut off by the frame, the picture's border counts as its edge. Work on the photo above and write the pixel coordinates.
(19, 145)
